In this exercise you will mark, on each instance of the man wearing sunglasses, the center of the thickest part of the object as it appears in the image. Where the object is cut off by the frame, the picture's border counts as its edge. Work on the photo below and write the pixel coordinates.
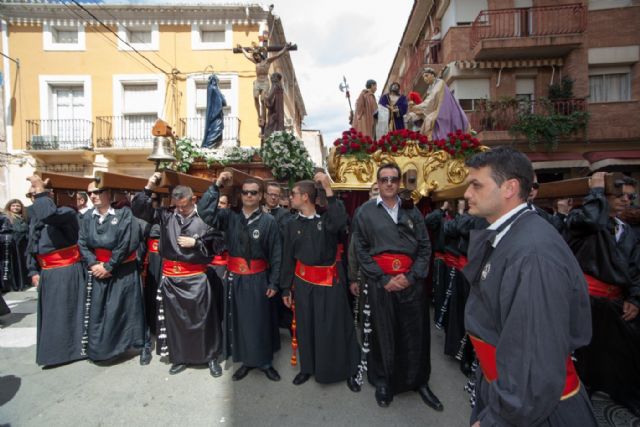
(393, 250)
(253, 242)
(55, 268)
(188, 323)
(556, 220)
(609, 253)
(109, 239)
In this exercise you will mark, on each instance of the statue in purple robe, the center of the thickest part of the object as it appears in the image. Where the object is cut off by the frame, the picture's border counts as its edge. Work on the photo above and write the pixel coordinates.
(441, 111)
(397, 105)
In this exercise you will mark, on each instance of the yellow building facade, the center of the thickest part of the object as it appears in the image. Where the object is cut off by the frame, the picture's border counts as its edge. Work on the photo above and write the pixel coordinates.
(83, 85)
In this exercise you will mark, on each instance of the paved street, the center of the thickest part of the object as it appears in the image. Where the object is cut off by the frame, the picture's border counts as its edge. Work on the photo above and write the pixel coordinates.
(126, 393)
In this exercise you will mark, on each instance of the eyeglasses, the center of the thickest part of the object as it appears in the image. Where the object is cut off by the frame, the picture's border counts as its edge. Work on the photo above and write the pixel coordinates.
(273, 195)
(252, 192)
(95, 192)
(535, 185)
(389, 179)
(630, 196)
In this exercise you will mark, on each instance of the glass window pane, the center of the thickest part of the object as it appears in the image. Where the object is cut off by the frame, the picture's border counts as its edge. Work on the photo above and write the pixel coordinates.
(212, 36)
(65, 35)
(140, 36)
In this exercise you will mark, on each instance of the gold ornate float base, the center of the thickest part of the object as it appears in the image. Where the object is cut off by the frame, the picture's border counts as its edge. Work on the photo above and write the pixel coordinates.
(433, 170)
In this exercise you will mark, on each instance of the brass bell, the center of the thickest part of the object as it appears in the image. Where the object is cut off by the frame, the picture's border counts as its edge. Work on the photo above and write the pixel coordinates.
(163, 149)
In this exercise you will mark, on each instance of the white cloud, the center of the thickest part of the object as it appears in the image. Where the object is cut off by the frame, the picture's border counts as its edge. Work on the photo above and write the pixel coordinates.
(354, 38)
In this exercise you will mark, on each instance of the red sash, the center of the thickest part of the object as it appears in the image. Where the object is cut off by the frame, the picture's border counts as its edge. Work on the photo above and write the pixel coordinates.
(59, 258)
(450, 259)
(181, 269)
(239, 265)
(598, 288)
(104, 255)
(221, 259)
(439, 255)
(317, 274)
(152, 245)
(487, 357)
(339, 252)
(393, 263)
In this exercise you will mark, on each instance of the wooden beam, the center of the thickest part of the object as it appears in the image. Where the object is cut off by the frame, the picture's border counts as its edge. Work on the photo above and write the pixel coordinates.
(450, 193)
(58, 181)
(577, 187)
(116, 181)
(171, 179)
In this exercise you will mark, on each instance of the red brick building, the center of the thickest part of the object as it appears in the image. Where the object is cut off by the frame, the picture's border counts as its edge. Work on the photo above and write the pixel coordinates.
(500, 57)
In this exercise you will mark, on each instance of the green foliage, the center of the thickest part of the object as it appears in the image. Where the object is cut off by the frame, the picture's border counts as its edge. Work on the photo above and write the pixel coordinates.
(561, 90)
(287, 157)
(187, 153)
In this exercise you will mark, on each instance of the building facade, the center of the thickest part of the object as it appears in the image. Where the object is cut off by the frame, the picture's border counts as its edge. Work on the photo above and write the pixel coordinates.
(502, 58)
(83, 85)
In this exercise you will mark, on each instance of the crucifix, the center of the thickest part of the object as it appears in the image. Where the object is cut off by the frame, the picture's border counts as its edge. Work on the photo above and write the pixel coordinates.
(259, 55)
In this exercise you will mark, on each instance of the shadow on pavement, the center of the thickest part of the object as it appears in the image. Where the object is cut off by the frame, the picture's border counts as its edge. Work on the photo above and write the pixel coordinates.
(9, 386)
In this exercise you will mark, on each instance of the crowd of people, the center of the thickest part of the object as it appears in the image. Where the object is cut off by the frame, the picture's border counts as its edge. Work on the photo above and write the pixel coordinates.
(540, 308)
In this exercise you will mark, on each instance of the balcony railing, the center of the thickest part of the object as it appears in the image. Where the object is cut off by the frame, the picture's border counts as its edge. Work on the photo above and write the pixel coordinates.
(60, 134)
(193, 127)
(502, 115)
(529, 22)
(128, 131)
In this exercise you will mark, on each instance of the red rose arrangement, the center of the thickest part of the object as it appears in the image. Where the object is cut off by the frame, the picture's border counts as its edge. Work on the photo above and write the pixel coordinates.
(355, 143)
(396, 140)
(458, 143)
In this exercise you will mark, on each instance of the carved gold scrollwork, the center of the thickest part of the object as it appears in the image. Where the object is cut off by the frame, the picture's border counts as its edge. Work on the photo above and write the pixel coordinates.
(456, 171)
(363, 171)
(437, 160)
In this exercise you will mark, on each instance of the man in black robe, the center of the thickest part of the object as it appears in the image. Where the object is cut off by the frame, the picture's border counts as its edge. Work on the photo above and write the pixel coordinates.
(324, 327)
(393, 250)
(109, 240)
(56, 269)
(609, 253)
(188, 322)
(253, 267)
(528, 307)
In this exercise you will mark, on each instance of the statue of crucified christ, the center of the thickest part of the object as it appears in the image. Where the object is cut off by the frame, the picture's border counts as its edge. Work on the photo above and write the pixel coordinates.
(259, 56)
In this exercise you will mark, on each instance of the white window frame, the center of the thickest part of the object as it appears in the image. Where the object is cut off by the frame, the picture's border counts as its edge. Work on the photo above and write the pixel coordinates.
(617, 70)
(46, 82)
(119, 80)
(123, 33)
(198, 44)
(194, 79)
(50, 45)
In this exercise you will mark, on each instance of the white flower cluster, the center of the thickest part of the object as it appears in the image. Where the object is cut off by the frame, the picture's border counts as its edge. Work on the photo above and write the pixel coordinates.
(287, 157)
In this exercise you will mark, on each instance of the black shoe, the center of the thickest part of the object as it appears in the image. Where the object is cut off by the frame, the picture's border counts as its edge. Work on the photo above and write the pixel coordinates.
(353, 384)
(145, 356)
(301, 378)
(241, 373)
(429, 398)
(383, 396)
(214, 368)
(176, 368)
(271, 373)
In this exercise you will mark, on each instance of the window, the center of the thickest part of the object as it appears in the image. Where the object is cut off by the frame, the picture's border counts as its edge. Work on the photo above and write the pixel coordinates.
(610, 84)
(525, 89)
(210, 37)
(140, 111)
(63, 37)
(469, 92)
(141, 37)
(468, 10)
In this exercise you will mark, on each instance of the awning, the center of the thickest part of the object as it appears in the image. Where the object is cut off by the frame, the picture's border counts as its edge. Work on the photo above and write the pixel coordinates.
(594, 160)
(510, 63)
(557, 160)
(602, 159)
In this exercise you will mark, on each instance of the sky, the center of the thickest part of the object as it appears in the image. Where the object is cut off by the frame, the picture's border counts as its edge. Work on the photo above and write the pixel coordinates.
(357, 39)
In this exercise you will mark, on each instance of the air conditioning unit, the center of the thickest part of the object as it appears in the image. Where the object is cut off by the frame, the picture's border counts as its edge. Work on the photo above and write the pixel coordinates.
(44, 142)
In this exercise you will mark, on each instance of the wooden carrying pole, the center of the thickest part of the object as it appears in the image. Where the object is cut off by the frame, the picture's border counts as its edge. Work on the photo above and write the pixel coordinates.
(58, 181)
(116, 181)
(171, 179)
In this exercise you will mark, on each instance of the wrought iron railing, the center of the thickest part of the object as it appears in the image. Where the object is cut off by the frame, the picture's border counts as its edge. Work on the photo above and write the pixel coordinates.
(60, 134)
(193, 127)
(127, 131)
(501, 115)
(529, 22)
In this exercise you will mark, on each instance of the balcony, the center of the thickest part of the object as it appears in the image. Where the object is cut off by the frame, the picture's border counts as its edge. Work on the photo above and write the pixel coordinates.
(546, 31)
(60, 140)
(125, 132)
(193, 128)
(496, 118)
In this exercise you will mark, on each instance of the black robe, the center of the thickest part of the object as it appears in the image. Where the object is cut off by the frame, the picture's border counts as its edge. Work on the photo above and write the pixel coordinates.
(61, 291)
(190, 311)
(528, 299)
(151, 274)
(325, 331)
(251, 322)
(13, 255)
(400, 354)
(611, 362)
(116, 314)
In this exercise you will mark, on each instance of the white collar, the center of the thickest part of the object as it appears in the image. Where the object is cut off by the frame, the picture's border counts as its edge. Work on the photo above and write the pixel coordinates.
(110, 211)
(315, 215)
(379, 201)
(193, 212)
(497, 223)
(251, 213)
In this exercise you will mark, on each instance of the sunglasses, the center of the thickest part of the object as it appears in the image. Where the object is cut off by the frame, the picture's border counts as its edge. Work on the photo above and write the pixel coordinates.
(252, 192)
(95, 192)
(535, 185)
(273, 195)
(389, 179)
(630, 196)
